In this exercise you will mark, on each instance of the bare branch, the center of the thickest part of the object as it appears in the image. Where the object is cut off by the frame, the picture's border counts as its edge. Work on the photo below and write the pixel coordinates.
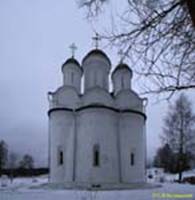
(158, 38)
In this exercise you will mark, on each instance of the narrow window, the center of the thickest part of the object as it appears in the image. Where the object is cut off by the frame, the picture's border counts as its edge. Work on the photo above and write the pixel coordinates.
(122, 82)
(95, 78)
(60, 156)
(72, 77)
(96, 156)
(132, 159)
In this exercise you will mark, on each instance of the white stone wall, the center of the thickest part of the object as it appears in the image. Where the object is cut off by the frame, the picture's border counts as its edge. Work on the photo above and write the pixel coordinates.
(61, 134)
(65, 96)
(78, 122)
(117, 134)
(128, 99)
(132, 141)
(97, 126)
(97, 96)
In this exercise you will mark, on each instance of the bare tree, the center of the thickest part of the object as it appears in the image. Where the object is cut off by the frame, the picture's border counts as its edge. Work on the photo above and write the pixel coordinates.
(164, 158)
(93, 6)
(27, 162)
(191, 8)
(159, 39)
(179, 132)
(12, 164)
(3, 154)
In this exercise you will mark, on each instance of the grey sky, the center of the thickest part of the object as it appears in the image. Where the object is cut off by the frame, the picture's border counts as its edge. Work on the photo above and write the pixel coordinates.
(34, 40)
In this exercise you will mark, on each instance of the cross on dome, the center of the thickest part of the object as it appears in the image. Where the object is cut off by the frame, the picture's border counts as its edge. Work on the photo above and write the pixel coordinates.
(73, 48)
(96, 40)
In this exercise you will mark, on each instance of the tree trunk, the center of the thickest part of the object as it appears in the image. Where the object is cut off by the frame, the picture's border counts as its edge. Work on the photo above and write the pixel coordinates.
(191, 8)
(181, 163)
(180, 175)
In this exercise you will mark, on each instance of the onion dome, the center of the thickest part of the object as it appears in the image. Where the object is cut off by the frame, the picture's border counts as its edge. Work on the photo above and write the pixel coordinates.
(96, 66)
(96, 52)
(70, 62)
(72, 73)
(121, 77)
(122, 66)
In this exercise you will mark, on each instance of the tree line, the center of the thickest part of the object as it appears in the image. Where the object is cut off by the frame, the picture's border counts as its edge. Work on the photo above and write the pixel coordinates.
(12, 161)
(177, 152)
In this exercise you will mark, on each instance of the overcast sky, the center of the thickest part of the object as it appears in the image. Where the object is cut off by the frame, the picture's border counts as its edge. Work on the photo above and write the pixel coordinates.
(34, 40)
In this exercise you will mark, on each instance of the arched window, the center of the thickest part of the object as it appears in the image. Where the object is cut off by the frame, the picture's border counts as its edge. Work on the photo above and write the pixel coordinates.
(132, 158)
(96, 156)
(60, 156)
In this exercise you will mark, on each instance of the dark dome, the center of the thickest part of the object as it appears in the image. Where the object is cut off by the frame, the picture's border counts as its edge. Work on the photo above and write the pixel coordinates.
(71, 61)
(96, 52)
(122, 66)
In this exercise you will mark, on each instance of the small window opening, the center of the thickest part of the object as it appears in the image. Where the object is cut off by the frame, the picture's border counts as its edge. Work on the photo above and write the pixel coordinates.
(96, 156)
(96, 186)
(72, 77)
(122, 82)
(132, 159)
(60, 157)
(95, 78)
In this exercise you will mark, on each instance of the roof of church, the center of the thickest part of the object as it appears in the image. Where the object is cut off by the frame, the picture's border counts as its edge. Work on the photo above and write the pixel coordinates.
(122, 66)
(73, 61)
(97, 52)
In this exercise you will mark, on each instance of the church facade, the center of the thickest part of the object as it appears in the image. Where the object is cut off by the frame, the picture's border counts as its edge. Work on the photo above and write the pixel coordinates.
(96, 137)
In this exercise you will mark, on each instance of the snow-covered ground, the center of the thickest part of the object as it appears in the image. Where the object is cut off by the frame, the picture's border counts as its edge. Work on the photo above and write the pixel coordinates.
(21, 189)
(158, 173)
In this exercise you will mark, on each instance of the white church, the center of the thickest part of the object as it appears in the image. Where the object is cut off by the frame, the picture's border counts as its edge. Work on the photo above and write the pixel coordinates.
(96, 136)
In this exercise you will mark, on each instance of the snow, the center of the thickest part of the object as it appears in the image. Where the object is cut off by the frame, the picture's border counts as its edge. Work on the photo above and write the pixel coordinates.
(158, 173)
(23, 189)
